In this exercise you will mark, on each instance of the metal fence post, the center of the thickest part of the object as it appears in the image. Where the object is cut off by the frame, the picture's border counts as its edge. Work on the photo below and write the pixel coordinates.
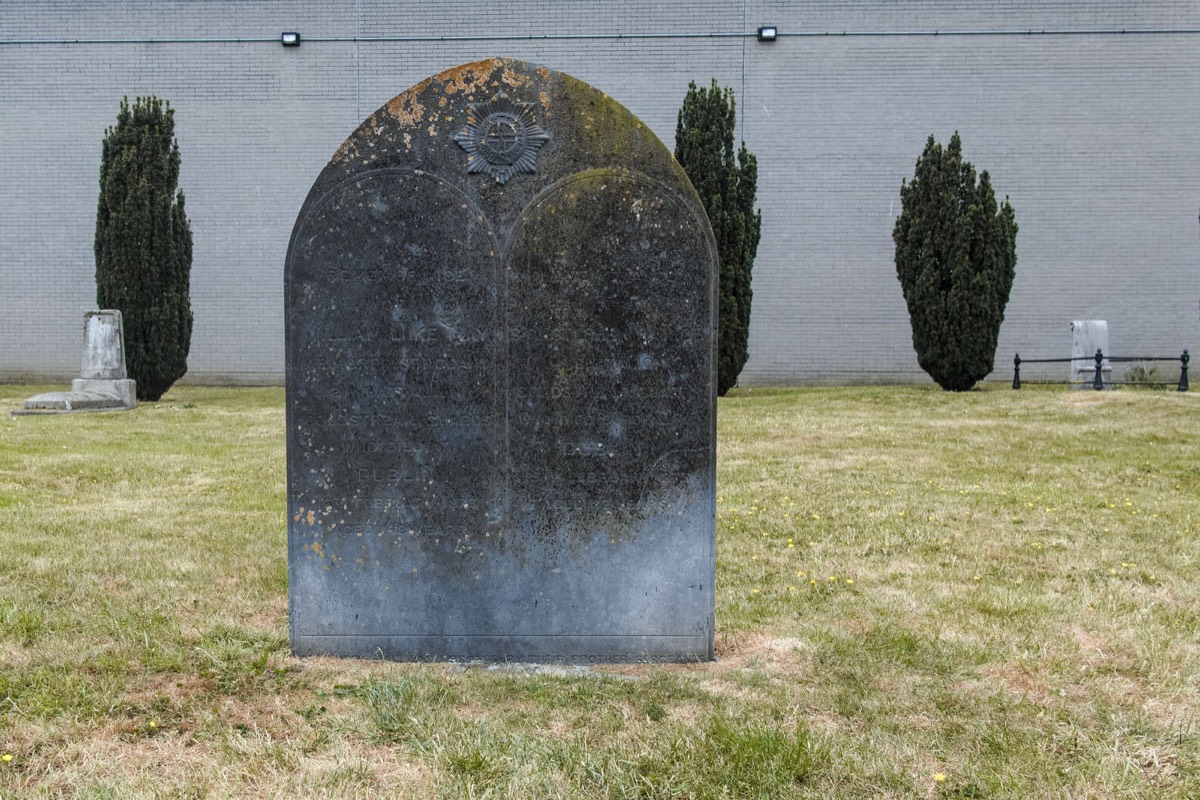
(1098, 381)
(1183, 362)
(1017, 371)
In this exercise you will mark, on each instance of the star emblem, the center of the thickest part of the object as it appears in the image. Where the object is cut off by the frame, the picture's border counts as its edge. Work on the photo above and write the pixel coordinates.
(501, 138)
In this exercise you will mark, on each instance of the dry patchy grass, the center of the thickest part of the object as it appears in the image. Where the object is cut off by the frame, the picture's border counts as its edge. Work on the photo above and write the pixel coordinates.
(998, 588)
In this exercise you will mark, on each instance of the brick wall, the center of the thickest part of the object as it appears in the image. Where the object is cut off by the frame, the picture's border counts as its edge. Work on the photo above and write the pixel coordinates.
(1094, 136)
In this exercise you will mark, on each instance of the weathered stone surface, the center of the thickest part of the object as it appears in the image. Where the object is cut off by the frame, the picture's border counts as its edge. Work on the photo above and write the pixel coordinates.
(501, 408)
(103, 346)
(73, 401)
(103, 385)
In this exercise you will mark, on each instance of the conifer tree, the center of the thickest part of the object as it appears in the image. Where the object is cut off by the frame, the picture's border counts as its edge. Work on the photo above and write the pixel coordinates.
(704, 148)
(143, 244)
(956, 259)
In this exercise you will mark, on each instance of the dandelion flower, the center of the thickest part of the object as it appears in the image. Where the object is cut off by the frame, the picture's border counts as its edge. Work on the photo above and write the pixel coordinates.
(939, 776)
(7, 757)
(849, 581)
(978, 578)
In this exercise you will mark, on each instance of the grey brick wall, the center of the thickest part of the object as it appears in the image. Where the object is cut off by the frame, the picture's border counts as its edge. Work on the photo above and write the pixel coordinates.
(1093, 134)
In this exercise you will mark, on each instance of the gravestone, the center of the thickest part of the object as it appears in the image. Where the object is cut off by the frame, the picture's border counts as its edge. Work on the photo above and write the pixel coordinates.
(103, 384)
(500, 316)
(1088, 336)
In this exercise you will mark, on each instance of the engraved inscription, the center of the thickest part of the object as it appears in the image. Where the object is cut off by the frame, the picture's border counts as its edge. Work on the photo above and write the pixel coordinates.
(399, 389)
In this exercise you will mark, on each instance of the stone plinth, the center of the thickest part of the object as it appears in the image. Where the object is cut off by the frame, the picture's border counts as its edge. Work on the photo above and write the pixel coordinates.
(103, 385)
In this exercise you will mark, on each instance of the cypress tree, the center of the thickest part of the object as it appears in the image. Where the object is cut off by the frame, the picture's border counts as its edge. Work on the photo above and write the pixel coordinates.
(956, 256)
(144, 244)
(704, 148)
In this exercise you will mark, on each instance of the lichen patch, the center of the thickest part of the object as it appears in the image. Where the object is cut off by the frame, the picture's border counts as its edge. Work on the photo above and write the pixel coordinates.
(406, 107)
(468, 77)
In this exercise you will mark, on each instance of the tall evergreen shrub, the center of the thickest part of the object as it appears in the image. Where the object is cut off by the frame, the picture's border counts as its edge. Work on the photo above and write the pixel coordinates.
(704, 147)
(956, 256)
(144, 244)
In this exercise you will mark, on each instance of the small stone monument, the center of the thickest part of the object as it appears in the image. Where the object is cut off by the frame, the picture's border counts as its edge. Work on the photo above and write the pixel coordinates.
(1088, 336)
(500, 319)
(102, 384)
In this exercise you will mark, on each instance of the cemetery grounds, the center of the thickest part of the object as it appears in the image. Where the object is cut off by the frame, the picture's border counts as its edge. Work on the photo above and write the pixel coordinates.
(919, 595)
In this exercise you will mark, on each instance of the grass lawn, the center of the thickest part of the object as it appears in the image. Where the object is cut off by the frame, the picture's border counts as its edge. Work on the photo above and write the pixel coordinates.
(920, 595)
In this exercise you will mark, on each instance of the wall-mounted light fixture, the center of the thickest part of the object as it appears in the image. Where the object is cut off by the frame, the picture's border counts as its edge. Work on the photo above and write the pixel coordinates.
(768, 33)
(292, 39)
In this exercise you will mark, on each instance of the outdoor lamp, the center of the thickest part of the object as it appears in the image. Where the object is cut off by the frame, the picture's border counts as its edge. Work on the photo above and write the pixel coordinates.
(767, 33)
(292, 39)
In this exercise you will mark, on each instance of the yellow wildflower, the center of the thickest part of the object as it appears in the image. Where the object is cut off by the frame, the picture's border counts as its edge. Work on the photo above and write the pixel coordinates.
(939, 776)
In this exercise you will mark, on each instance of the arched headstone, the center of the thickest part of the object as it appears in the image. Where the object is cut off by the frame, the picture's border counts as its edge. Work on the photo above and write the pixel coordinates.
(500, 383)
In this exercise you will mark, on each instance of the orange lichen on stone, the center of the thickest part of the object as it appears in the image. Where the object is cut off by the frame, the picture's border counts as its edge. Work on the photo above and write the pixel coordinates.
(406, 107)
(348, 150)
(513, 79)
(408, 141)
(545, 98)
(545, 73)
(468, 77)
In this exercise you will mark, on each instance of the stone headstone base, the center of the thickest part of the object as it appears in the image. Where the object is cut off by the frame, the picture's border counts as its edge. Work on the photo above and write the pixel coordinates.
(87, 394)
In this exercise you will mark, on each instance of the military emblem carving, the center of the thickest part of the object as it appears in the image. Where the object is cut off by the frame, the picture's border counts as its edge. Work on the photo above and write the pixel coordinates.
(501, 138)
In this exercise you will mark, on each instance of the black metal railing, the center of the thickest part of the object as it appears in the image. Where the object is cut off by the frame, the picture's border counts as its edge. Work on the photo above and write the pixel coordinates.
(1099, 359)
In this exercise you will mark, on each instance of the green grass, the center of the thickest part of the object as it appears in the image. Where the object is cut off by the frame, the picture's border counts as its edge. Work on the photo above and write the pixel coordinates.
(998, 588)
